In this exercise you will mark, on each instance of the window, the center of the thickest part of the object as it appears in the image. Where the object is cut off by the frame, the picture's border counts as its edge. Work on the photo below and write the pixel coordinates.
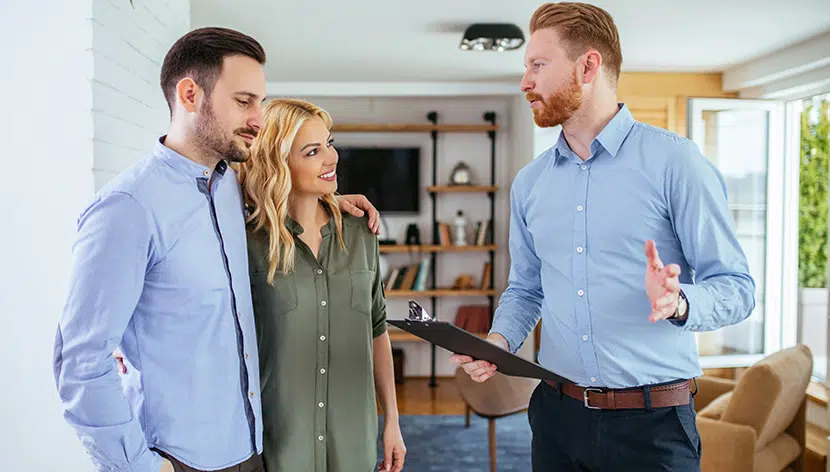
(809, 130)
(745, 140)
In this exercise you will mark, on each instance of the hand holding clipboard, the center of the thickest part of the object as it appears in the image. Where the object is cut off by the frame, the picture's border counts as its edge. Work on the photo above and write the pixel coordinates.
(480, 370)
(485, 357)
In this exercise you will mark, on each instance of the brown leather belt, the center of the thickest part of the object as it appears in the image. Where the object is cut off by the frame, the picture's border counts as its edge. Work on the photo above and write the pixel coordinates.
(660, 396)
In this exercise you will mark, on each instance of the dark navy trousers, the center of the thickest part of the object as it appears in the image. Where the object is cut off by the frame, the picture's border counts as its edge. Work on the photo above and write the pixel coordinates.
(567, 437)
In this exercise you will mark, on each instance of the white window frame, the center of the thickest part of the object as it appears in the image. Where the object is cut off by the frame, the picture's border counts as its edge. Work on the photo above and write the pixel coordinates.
(781, 282)
(794, 104)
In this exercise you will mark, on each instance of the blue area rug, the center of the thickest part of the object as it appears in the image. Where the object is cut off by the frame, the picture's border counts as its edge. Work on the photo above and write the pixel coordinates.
(441, 443)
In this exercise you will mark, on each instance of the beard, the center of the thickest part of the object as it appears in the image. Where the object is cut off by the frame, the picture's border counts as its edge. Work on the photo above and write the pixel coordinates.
(214, 141)
(560, 107)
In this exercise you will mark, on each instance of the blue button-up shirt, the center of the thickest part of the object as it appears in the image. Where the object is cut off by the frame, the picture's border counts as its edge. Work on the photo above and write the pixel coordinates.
(577, 245)
(160, 269)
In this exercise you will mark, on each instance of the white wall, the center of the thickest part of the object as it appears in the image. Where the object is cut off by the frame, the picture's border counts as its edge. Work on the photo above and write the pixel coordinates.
(58, 89)
(48, 144)
(523, 134)
(544, 138)
(129, 111)
(474, 149)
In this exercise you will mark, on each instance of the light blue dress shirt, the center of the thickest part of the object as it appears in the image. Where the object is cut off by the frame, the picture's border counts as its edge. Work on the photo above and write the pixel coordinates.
(577, 245)
(160, 268)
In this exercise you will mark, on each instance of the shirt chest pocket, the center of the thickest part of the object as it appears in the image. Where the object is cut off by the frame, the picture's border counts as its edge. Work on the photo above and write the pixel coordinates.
(278, 298)
(361, 293)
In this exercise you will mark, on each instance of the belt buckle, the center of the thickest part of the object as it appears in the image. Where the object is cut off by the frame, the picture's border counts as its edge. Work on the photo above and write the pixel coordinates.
(585, 397)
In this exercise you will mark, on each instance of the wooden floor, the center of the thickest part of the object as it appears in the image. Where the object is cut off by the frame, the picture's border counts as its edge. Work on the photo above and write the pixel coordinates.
(416, 397)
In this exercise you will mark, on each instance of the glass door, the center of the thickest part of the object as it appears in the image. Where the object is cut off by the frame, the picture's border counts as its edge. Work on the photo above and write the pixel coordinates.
(745, 140)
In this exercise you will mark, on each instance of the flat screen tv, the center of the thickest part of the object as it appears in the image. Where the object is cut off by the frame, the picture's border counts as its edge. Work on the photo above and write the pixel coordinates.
(388, 176)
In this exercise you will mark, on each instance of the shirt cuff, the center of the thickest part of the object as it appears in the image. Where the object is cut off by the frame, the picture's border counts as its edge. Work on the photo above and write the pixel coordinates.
(379, 329)
(513, 337)
(694, 299)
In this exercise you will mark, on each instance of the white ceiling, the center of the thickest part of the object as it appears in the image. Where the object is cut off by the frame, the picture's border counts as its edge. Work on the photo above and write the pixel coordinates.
(417, 40)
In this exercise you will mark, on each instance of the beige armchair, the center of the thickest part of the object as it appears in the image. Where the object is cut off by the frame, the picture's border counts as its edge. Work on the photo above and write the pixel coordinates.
(757, 423)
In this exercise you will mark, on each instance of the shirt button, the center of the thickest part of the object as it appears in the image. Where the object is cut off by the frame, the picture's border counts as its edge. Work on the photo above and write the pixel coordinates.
(319, 271)
(323, 303)
(322, 338)
(580, 293)
(593, 379)
(207, 173)
(252, 394)
(585, 337)
(579, 208)
(579, 250)
(319, 438)
(246, 355)
(321, 404)
(584, 167)
(322, 371)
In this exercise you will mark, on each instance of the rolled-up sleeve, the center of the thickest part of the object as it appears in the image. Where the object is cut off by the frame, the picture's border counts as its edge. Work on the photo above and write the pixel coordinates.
(110, 258)
(520, 305)
(723, 291)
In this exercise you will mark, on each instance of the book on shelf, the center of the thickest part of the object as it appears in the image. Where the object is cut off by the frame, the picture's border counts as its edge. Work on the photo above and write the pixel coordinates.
(486, 274)
(422, 275)
(482, 233)
(444, 234)
(409, 277)
(473, 318)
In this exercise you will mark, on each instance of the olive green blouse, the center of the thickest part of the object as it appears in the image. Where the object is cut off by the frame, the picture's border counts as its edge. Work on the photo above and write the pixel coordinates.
(315, 328)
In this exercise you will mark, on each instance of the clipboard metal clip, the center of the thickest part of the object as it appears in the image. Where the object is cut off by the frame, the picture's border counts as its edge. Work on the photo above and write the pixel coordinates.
(417, 312)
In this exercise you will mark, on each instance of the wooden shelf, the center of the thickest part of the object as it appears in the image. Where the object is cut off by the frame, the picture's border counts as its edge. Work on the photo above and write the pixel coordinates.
(411, 128)
(445, 292)
(436, 248)
(461, 188)
(815, 453)
(817, 393)
(401, 336)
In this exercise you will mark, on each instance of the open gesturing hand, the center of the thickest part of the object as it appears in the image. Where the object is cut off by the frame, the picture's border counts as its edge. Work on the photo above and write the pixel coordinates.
(662, 285)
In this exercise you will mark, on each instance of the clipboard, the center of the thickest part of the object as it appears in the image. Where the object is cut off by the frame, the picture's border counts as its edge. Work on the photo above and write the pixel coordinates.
(459, 341)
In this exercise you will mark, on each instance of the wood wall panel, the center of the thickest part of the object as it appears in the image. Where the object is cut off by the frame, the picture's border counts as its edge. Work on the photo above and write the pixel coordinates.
(659, 99)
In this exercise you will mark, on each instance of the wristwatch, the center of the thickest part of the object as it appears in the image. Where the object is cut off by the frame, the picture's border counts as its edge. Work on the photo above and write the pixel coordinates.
(682, 307)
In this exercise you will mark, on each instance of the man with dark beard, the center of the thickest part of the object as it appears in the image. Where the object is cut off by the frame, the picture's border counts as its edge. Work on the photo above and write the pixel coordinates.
(160, 269)
(618, 320)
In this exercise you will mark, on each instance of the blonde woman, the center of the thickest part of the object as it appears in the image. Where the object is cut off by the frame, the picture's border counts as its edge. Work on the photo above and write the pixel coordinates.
(320, 311)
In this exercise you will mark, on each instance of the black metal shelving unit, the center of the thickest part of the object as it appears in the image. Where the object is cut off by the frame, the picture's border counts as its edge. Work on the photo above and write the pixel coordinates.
(489, 117)
(435, 130)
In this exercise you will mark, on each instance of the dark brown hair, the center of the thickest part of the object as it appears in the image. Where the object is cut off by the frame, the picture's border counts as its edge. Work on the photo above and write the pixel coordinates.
(582, 26)
(199, 55)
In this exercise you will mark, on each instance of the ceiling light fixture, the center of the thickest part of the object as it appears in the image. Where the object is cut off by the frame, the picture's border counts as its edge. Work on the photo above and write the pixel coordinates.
(492, 37)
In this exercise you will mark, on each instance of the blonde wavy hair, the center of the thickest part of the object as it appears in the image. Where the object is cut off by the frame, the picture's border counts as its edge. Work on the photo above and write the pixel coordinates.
(266, 179)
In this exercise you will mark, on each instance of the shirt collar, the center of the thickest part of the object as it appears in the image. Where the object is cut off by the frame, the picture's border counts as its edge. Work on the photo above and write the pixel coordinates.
(293, 226)
(297, 230)
(610, 138)
(183, 164)
(562, 150)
